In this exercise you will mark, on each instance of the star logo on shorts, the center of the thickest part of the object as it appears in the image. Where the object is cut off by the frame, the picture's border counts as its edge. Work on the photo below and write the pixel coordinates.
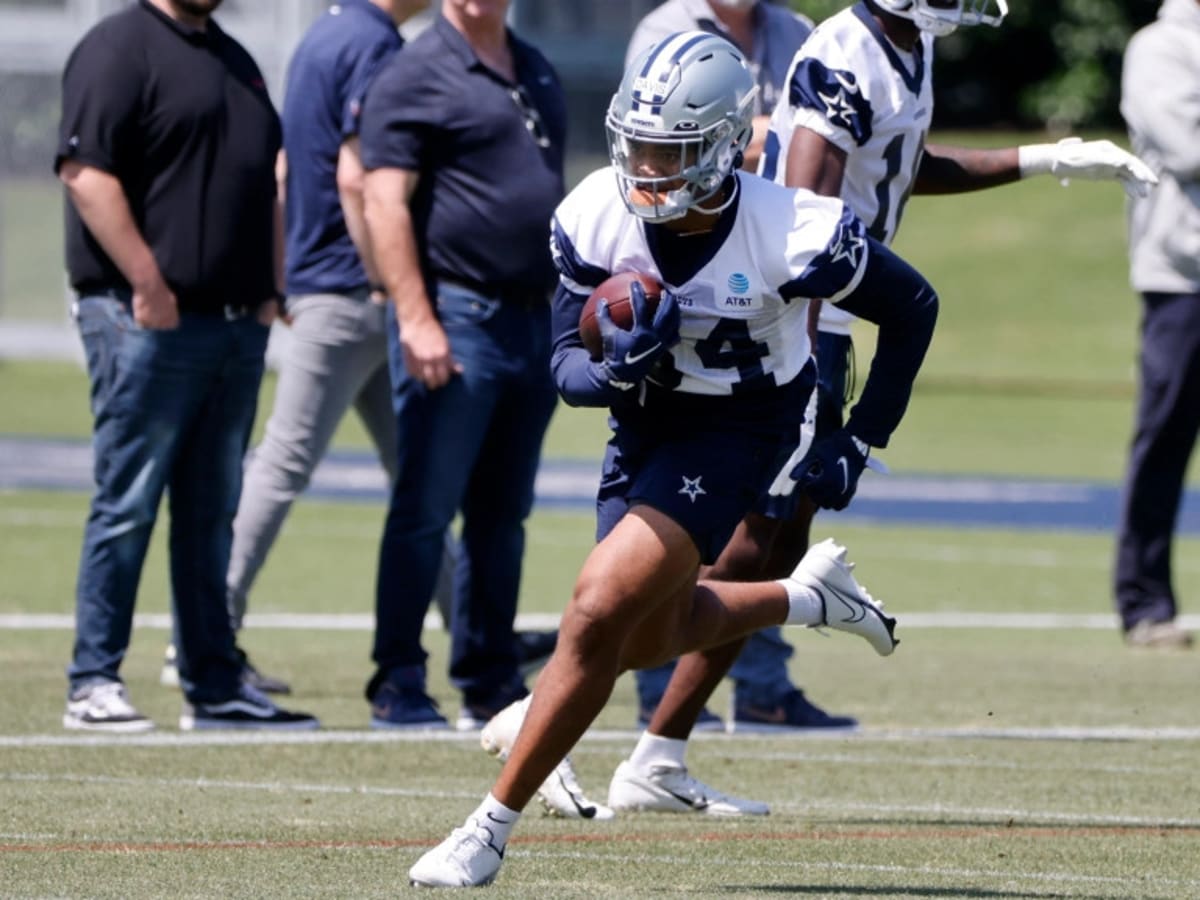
(691, 487)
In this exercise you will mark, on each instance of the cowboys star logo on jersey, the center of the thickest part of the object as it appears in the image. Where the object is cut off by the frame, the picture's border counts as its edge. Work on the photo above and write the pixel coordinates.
(837, 106)
(848, 247)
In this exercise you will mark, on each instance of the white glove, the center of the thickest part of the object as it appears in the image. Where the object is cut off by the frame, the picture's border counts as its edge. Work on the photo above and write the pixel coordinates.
(1075, 158)
(784, 483)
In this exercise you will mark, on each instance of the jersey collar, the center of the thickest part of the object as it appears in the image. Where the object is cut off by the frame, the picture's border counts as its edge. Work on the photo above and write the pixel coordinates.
(912, 80)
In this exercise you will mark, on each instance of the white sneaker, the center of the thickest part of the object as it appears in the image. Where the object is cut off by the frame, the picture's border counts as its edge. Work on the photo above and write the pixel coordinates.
(467, 858)
(672, 789)
(104, 707)
(845, 603)
(560, 794)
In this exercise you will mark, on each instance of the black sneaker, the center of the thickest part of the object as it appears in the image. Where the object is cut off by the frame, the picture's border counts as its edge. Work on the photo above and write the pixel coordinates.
(793, 712)
(249, 709)
(533, 649)
(268, 684)
(475, 714)
(403, 704)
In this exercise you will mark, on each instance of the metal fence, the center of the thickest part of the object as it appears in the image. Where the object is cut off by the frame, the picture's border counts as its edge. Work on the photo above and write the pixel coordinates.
(585, 39)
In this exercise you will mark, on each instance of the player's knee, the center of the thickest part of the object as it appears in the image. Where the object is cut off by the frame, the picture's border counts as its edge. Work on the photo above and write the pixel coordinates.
(593, 619)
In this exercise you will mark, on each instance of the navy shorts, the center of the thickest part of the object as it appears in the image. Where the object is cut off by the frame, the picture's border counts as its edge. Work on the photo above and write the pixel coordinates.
(702, 461)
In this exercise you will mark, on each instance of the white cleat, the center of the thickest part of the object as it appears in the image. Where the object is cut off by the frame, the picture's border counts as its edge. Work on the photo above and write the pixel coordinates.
(560, 794)
(671, 789)
(846, 604)
(467, 858)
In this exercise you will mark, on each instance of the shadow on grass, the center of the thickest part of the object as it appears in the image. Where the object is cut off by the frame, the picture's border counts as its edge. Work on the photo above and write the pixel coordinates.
(843, 890)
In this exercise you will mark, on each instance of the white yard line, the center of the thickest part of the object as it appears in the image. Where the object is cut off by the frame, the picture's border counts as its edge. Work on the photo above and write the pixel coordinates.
(332, 736)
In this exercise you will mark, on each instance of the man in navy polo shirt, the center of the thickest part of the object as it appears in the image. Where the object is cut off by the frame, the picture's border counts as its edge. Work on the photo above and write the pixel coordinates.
(462, 140)
(171, 232)
(337, 355)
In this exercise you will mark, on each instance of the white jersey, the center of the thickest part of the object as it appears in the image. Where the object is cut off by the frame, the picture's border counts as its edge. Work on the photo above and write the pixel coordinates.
(743, 314)
(855, 88)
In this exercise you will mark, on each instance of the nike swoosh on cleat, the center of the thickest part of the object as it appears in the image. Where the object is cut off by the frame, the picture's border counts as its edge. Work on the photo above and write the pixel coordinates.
(585, 811)
(845, 473)
(694, 802)
(858, 612)
(631, 359)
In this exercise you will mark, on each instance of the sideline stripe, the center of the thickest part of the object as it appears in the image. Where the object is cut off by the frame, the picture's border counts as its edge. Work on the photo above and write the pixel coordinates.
(366, 622)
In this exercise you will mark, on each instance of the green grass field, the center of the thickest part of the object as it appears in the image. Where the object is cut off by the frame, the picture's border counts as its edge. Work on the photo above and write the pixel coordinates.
(1025, 756)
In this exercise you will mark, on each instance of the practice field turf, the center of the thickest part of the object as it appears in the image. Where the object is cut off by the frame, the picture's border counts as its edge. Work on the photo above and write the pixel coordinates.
(1012, 747)
(1029, 755)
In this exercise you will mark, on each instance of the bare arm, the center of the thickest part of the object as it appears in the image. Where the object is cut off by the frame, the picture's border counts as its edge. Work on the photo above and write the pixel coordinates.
(272, 309)
(955, 170)
(952, 170)
(816, 164)
(104, 209)
(280, 238)
(350, 192)
(386, 197)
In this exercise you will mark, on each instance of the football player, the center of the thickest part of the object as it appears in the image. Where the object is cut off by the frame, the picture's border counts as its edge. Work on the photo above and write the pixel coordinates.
(853, 125)
(706, 396)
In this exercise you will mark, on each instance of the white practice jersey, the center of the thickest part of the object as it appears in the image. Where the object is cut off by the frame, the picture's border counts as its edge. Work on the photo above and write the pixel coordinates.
(744, 313)
(854, 87)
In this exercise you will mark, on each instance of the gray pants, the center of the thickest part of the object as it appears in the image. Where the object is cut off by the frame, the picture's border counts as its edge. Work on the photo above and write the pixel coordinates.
(337, 357)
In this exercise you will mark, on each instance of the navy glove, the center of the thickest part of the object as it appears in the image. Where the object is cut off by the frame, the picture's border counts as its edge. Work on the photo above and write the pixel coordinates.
(830, 472)
(629, 355)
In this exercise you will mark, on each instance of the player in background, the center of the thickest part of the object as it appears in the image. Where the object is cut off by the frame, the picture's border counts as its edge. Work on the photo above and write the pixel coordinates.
(706, 395)
(764, 697)
(853, 125)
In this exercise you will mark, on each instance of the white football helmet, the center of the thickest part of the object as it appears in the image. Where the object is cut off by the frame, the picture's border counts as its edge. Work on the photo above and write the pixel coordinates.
(678, 124)
(940, 17)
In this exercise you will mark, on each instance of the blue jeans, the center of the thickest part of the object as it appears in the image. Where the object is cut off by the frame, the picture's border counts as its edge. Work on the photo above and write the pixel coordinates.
(471, 447)
(760, 673)
(172, 410)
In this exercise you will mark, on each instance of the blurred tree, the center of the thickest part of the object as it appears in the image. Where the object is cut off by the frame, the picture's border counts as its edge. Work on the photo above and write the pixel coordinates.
(1053, 64)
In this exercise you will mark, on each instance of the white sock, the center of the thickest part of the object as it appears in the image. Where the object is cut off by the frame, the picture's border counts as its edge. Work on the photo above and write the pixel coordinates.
(805, 606)
(494, 817)
(652, 750)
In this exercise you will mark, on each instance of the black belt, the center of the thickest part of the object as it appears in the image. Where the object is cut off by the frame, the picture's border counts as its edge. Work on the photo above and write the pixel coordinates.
(515, 297)
(230, 312)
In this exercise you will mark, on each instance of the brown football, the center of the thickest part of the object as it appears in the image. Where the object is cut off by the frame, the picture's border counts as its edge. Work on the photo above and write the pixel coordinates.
(616, 291)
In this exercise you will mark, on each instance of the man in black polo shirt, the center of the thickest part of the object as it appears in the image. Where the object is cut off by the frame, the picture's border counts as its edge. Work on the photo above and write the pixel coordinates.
(462, 139)
(167, 149)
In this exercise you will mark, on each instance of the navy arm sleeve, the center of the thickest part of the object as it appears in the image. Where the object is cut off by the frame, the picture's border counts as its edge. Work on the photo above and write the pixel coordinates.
(579, 380)
(898, 299)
